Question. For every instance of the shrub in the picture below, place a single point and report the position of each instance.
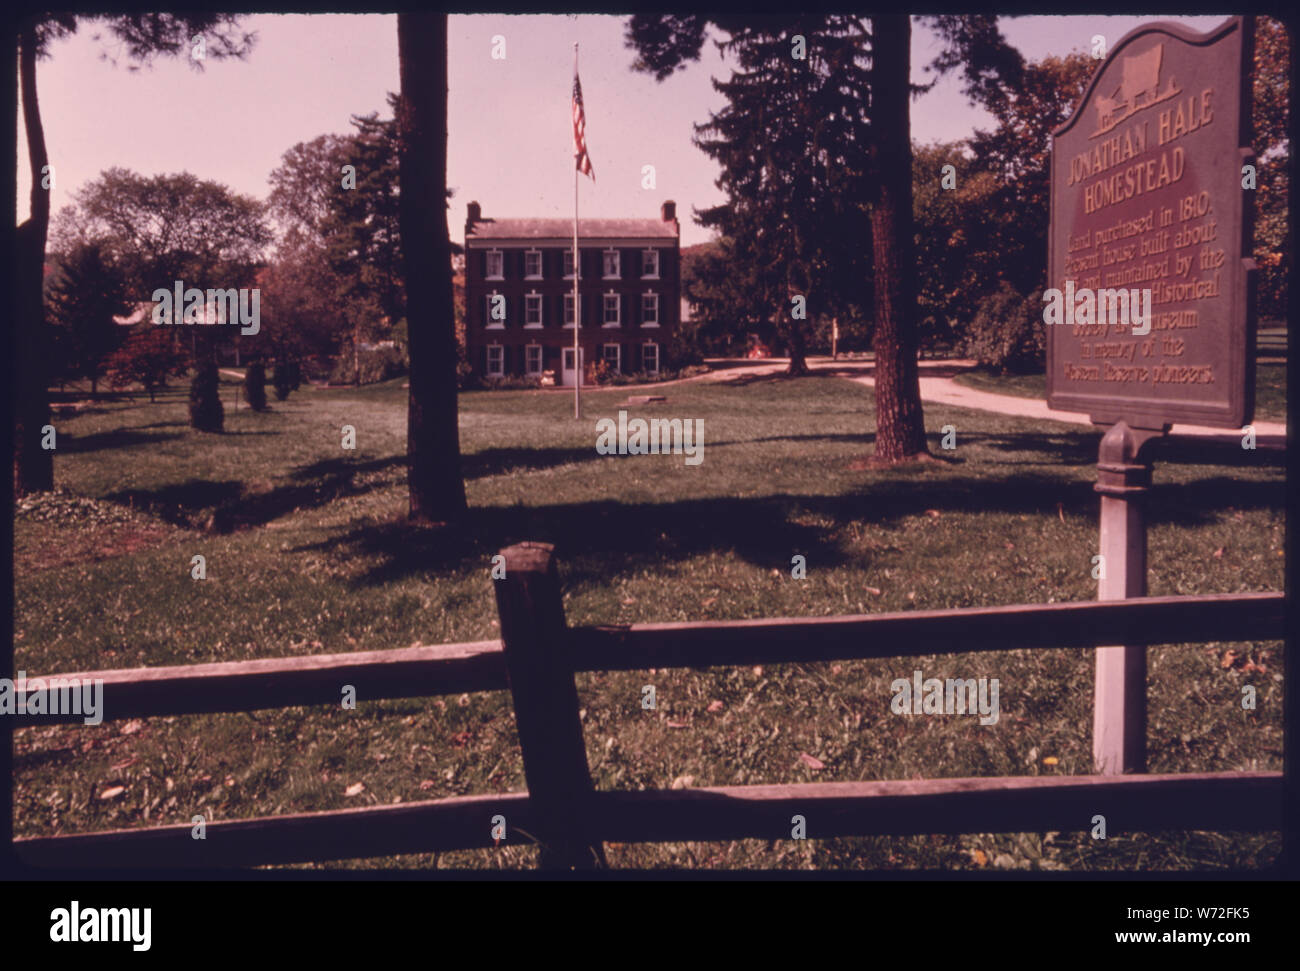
(206, 411)
(255, 386)
(511, 382)
(376, 364)
(147, 358)
(282, 379)
(1006, 333)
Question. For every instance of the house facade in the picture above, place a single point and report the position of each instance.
(519, 313)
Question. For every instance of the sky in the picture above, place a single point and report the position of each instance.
(509, 131)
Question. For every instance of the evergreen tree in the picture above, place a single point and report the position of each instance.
(84, 296)
(255, 385)
(792, 144)
(281, 379)
(207, 414)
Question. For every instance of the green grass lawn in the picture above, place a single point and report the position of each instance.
(1270, 387)
(307, 551)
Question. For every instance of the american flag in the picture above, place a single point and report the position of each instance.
(580, 130)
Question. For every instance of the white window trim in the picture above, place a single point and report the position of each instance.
(541, 359)
(541, 267)
(568, 297)
(658, 261)
(658, 304)
(487, 311)
(655, 345)
(618, 264)
(568, 250)
(618, 356)
(618, 306)
(488, 264)
(541, 311)
(501, 361)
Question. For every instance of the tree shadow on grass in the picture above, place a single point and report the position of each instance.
(229, 505)
(498, 461)
(117, 438)
(600, 538)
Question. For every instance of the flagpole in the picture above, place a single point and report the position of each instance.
(577, 268)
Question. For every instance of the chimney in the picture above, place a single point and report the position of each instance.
(474, 213)
(668, 211)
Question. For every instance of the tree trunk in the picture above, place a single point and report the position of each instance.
(432, 434)
(33, 465)
(798, 351)
(900, 425)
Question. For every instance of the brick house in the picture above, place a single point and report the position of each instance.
(519, 293)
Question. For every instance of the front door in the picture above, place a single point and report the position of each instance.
(567, 369)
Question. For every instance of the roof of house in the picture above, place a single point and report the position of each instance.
(563, 229)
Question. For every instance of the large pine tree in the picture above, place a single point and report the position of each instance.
(82, 300)
(791, 142)
(665, 43)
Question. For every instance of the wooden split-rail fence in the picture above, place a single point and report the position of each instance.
(536, 659)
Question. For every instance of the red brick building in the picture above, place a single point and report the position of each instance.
(519, 293)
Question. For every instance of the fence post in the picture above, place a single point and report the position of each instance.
(1119, 707)
(540, 669)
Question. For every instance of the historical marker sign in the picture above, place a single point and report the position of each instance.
(1147, 195)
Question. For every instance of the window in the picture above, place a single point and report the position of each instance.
(568, 263)
(650, 264)
(533, 310)
(533, 359)
(612, 302)
(610, 264)
(495, 265)
(650, 358)
(533, 264)
(568, 309)
(496, 360)
(613, 356)
(650, 309)
(494, 314)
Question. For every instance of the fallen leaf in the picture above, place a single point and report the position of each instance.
(933, 513)
(629, 601)
(1060, 511)
(426, 785)
(355, 789)
(1219, 553)
(980, 857)
(709, 602)
(683, 782)
(672, 724)
(133, 726)
(113, 792)
(811, 762)
(1051, 760)
(1228, 658)
(874, 591)
(758, 670)
(1010, 546)
(715, 706)
(836, 669)
(460, 739)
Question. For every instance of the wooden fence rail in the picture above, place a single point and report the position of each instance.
(537, 659)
